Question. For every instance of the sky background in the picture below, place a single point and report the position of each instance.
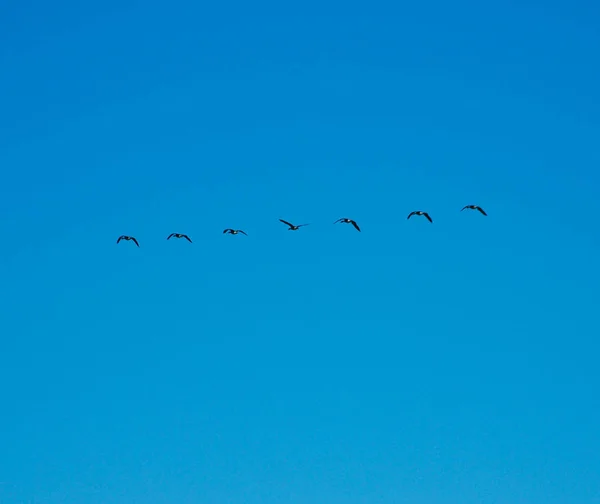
(453, 362)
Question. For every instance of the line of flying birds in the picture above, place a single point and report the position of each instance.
(292, 227)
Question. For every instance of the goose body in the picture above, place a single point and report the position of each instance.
(233, 231)
(475, 207)
(419, 212)
(348, 221)
(127, 238)
(179, 235)
(291, 226)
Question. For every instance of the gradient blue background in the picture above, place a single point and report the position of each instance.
(453, 362)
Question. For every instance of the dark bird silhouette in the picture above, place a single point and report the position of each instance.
(233, 231)
(425, 214)
(123, 237)
(179, 235)
(348, 221)
(474, 207)
(292, 227)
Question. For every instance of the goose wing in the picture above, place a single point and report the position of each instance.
(410, 215)
(481, 210)
(243, 232)
(227, 231)
(427, 215)
(172, 234)
(119, 239)
(355, 225)
(464, 208)
(135, 241)
(187, 238)
(286, 222)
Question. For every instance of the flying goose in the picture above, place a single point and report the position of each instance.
(234, 231)
(475, 207)
(420, 213)
(179, 235)
(123, 237)
(292, 227)
(348, 221)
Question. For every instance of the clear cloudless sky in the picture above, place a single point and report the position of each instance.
(418, 363)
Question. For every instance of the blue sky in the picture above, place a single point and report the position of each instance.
(453, 362)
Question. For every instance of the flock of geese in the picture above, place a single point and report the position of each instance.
(293, 227)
